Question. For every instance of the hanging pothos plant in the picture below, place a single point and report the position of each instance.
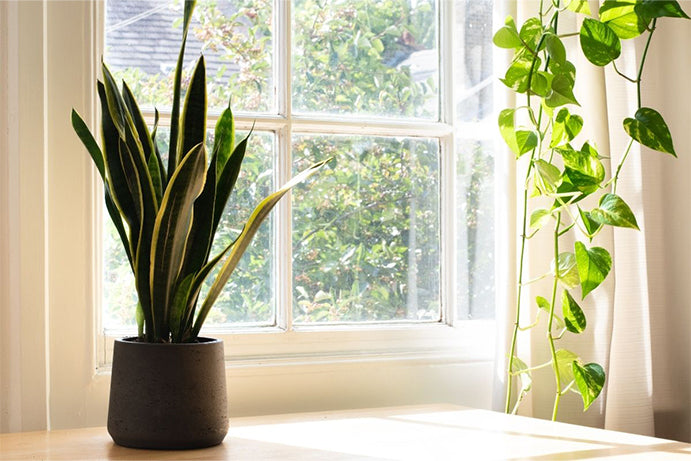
(561, 173)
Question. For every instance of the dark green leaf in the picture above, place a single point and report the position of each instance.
(660, 9)
(224, 139)
(226, 182)
(89, 142)
(590, 379)
(193, 119)
(650, 129)
(574, 318)
(520, 141)
(178, 307)
(593, 266)
(170, 230)
(614, 212)
(621, 16)
(177, 84)
(599, 43)
(139, 124)
(256, 218)
(507, 36)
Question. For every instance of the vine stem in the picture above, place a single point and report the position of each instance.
(552, 348)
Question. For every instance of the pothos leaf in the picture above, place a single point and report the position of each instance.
(579, 6)
(520, 141)
(568, 272)
(593, 266)
(574, 318)
(519, 367)
(614, 212)
(599, 43)
(649, 128)
(661, 8)
(539, 218)
(621, 16)
(590, 379)
(565, 359)
(507, 36)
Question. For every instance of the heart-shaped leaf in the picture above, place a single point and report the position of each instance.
(649, 128)
(599, 43)
(520, 141)
(562, 91)
(621, 16)
(565, 359)
(548, 176)
(530, 33)
(568, 272)
(590, 379)
(593, 266)
(574, 318)
(518, 74)
(579, 6)
(555, 48)
(519, 367)
(660, 9)
(507, 36)
(614, 212)
(565, 126)
(539, 218)
(591, 226)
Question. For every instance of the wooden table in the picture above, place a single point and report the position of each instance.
(404, 433)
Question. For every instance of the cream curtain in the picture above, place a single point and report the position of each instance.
(638, 320)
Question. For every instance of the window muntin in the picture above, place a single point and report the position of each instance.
(461, 133)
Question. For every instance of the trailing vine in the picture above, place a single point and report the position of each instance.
(543, 133)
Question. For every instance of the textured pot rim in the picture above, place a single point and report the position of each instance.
(202, 341)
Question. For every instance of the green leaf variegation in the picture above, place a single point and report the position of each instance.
(561, 178)
(167, 219)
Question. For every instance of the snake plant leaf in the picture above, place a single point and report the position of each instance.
(89, 142)
(226, 182)
(193, 119)
(170, 231)
(507, 35)
(599, 43)
(590, 379)
(201, 235)
(623, 18)
(115, 216)
(519, 141)
(178, 308)
(256, 218)
(161, 168)
(145, 140)
(593, 266)
(115, 103)
(614, 212)
(579, 6)
(177, 84)
(660, 9)
(649, 128)
(111, 153)
(224, 139)
(574, 318)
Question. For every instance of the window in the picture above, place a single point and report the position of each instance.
(397, 231)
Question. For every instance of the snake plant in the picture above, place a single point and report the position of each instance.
(167, 217)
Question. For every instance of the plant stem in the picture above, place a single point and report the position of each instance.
(552, 349)
(645, 55)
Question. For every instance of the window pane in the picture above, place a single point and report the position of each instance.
(248, 297)
(366, 231)
(475, 163)
(366, 58)
(143, 40)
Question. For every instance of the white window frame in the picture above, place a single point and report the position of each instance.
(274, 370)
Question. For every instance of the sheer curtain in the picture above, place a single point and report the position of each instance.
(638, 320)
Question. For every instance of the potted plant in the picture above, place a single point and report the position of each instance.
(560, 174)
(168, 383)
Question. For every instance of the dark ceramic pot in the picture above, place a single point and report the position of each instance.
(168, 396)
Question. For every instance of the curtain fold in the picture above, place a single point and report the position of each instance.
(631, 330)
